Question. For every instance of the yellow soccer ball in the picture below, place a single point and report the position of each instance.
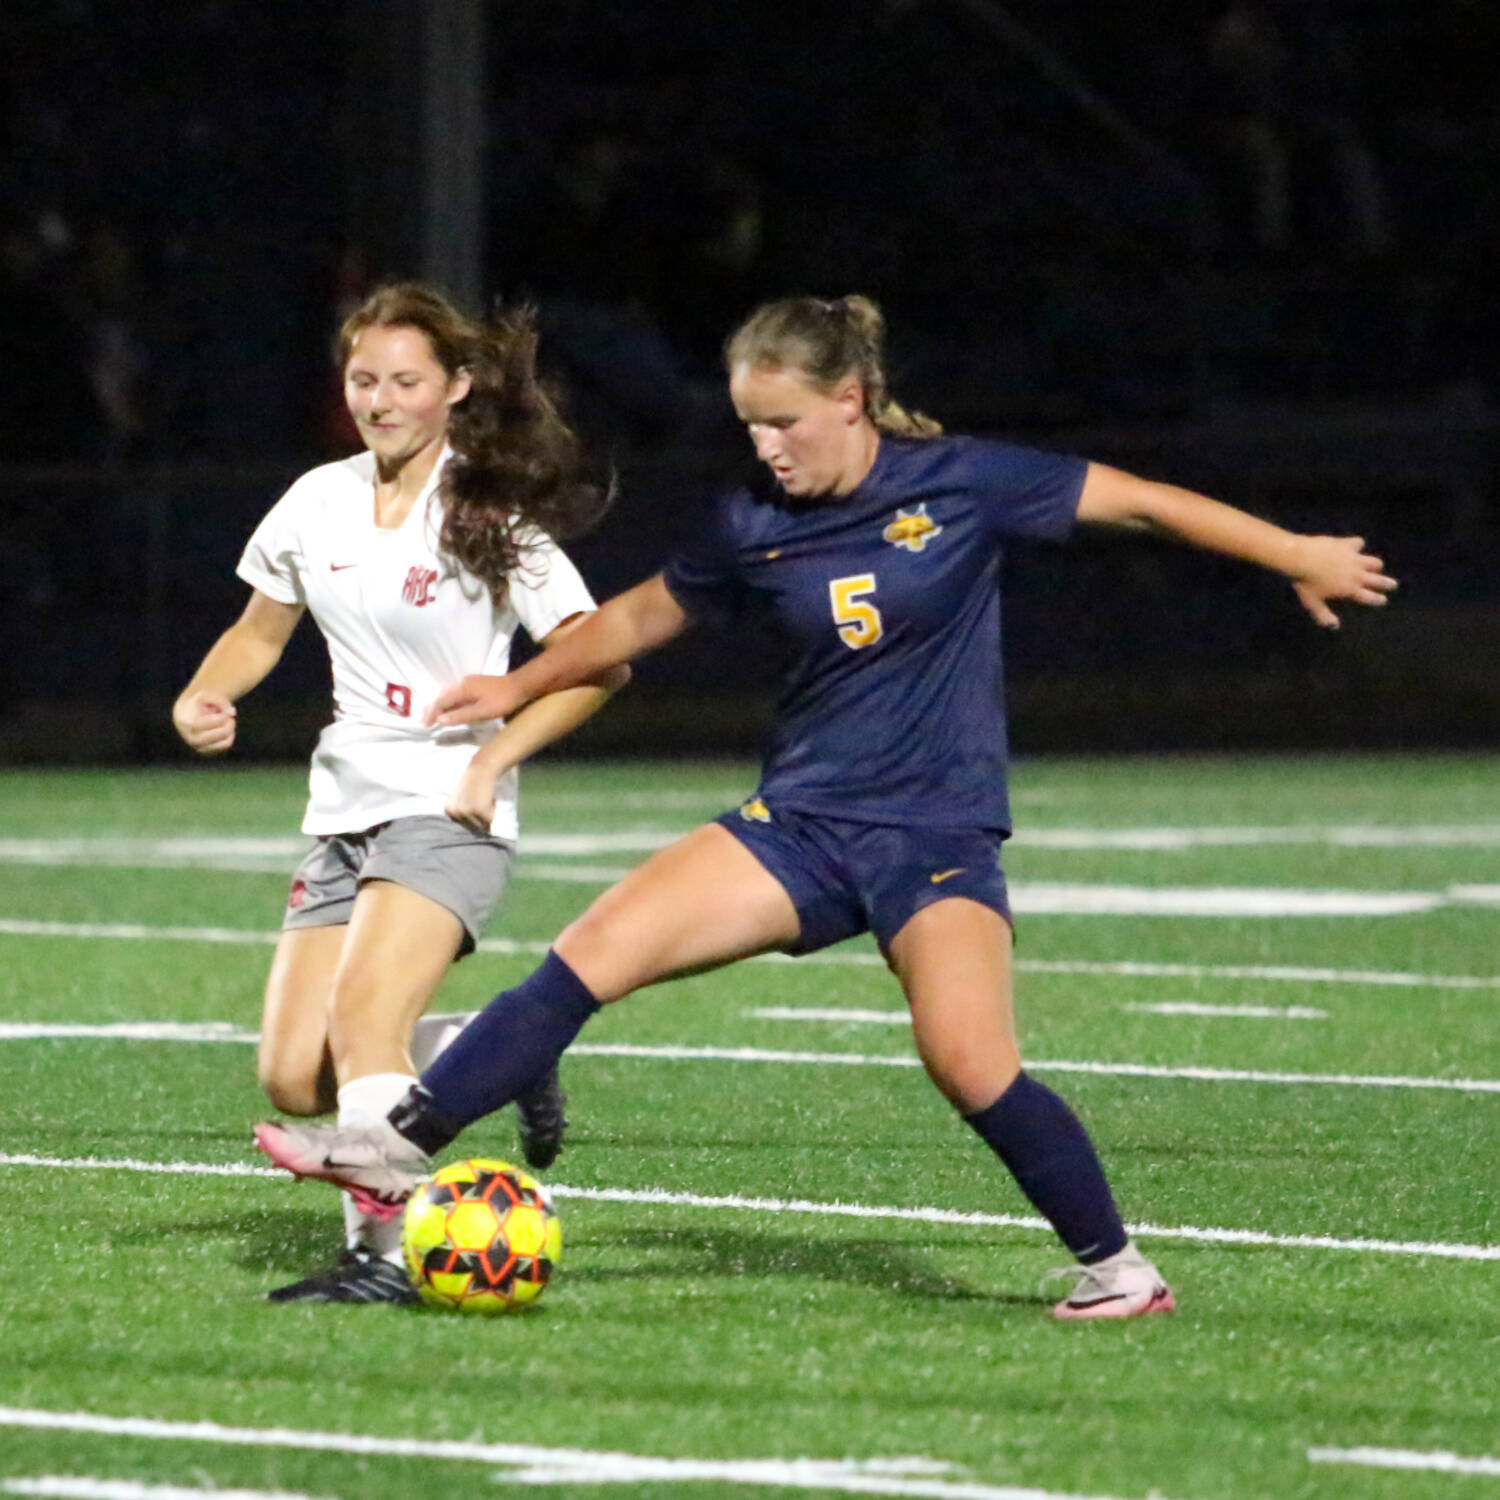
(480, 1237)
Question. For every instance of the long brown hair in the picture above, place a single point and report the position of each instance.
(517, 467)
(824, 341)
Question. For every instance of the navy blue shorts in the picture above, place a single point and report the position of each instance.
(847, 877)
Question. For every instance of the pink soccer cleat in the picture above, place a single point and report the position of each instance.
(375, 1164)
(1126, 1285)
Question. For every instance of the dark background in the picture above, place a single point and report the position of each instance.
(1248, 247)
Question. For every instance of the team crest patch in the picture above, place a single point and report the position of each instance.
(755, 811)
(912, 529)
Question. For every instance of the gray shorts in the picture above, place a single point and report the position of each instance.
(435, 857)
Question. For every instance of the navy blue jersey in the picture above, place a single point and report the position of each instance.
(893, 708)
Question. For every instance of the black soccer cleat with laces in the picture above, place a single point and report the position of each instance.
(358, 1277)
(542, 1121)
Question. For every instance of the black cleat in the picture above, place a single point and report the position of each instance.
(540, 1113)
(358, 1277)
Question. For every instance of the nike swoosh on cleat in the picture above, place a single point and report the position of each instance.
(943, 875)
(339, 567)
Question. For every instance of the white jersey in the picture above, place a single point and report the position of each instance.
(402, 622)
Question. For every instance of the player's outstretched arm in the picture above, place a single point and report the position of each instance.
(204, 713)
(1322, 569)
(542, 722)
(624, 628)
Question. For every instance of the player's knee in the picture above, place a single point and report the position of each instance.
(970, 1084)
(606, 966)
(293, 1092)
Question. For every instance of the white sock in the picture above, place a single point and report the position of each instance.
(366, 1101)
(432, 1034)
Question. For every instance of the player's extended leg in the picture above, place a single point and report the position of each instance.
(703, 902)
(953, 959)
(700, 903)
(293, 1063)
(394, 953)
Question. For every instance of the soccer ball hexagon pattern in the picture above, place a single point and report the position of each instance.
(480, 1236)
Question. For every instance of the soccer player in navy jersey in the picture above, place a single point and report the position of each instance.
(873, 543)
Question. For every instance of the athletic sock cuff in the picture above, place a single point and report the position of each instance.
(419, 1119)
(575, 999)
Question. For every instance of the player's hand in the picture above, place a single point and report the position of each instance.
(1338, 567)
(473, 799)
(474, 698)
(205, 721)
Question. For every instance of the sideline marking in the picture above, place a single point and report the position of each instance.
(530, 1464)
(828, 1013)
(216, 1031)
(1256, 1012)
(1123, 1070)
(1346, 836)
(1036, 898)
(128, 1031)
(211, 850)
(1114, 968)
(662, 1197)
(1404, 1458)
(66, 1488)
(855, 1017)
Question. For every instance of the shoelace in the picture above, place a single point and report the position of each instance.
(1097, 1280)
(1077, 1274)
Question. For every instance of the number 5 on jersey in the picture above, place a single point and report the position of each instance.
(857, 619)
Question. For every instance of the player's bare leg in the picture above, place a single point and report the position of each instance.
(293, 1061)
(399, 946)
(953, 959)
(396, 949)
(702, 902)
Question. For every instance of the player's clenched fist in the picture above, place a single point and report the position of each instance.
(205, 721)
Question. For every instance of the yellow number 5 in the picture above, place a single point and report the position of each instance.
(857, 619)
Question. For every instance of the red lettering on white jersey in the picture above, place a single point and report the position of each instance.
(417, 589)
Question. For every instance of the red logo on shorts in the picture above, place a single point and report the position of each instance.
(418, 586)
(298, 895)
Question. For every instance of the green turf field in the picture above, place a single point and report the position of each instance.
(790, 1268)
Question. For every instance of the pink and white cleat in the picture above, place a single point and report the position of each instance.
(1126, 1285)
(375, 1164)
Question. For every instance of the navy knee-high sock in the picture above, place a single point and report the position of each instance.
(1050, 1155)
(502, 1052)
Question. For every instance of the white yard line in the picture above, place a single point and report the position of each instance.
(1030, 898)
(525, 1463)
(855, 1017)
(217, 1031)
(127, 1031)
(1253, 1012)
(1404, 1458)
(674, 1053)
(1257, 973)
(1115, 968)
(662, 1197)
(68, 1487)
(827, 1013)
(212, 849)
(1346, 835)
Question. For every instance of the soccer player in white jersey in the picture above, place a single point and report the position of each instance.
(418, 559)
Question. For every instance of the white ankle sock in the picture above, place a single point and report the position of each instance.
(365, 1101)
